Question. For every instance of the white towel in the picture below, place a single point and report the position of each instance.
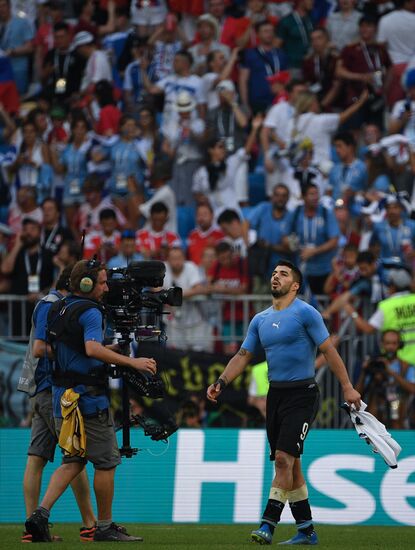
(375, 434)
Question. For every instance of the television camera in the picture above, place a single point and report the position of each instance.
(134, 308)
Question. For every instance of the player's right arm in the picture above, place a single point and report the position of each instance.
(233, 369)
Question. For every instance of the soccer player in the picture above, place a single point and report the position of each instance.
(290, 331)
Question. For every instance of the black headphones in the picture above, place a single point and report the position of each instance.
(87, 283)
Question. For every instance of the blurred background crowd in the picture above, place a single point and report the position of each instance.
(218, 137)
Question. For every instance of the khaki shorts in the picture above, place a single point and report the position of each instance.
(101, 442)
(43, 439)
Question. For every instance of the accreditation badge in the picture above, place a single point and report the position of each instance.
(230, 144)
(33, 284)
(74, 187)
(121, 182)
(60, 86)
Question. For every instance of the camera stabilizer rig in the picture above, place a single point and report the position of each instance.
(134, 307)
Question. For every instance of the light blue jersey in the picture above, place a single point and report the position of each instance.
(290, 339)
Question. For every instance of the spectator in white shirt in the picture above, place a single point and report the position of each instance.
(308, 122)
(208, 29)
(147, 14)
(160, 175)
(275, 136)
(187, 327)
(216, 182)
(397, 30)
(181, 80)
(97, 67)
(343, 25)
(219, 69)
(403, 113)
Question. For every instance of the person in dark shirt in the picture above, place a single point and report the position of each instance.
(319, 68)
(62, 68)
(31, 272)
(365, 63)
(53, 234)
(259, 63)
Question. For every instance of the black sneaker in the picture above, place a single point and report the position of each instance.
(115, 533)
(38, 526)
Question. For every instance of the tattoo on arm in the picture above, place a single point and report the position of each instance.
(242, 352)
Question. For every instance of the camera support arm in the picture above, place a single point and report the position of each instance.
(117, 372)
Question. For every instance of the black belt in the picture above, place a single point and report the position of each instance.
(293, 384)
(69, 380)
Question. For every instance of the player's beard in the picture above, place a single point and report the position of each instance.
(280, 292)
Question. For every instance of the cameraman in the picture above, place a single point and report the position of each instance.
(77, 323)
(36, 381)
(385, 382)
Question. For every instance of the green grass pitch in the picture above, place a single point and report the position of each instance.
(227, 537)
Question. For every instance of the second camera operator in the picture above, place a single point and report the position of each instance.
(76, 329)
(386, 382)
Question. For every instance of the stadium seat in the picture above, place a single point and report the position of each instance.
(185, 221)
(256, 183)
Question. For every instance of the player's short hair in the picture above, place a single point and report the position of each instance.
(297, 275)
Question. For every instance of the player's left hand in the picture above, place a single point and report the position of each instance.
(213, 392)
(352, 397)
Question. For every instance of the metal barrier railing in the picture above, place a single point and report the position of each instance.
(232, 313)
(15, 312)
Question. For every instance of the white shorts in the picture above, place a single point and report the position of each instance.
(147, 16)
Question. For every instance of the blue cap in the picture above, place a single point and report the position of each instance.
(128, 234)
(410, 78)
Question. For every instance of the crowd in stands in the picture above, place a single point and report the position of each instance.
(216, 136)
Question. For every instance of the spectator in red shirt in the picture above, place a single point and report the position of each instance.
(85, 11)
(109, 115)
(361, 64)
(154, 240)
(319, 68)
(278, 83)
(205, 234)
(217, 9)
(105, 241)
(245, 34)
(229, 275)
(94, 203)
